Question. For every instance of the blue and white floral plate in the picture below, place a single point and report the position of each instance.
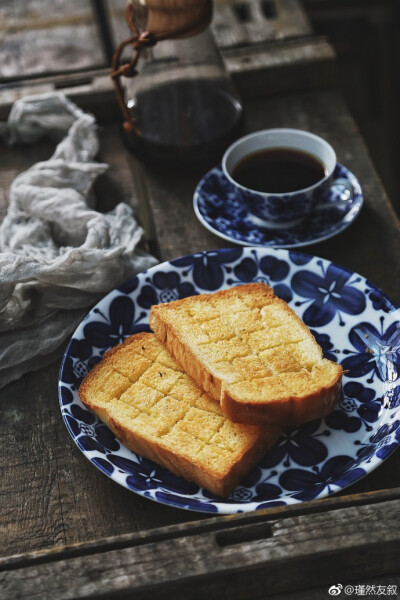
(354, 322)
(218, 209)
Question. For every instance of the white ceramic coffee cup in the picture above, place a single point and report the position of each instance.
(283, 209)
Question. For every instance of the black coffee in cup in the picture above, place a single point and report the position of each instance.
(278, 170)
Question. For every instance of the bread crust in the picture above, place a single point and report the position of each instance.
(290, 410)
(288, 406)
(219, 479)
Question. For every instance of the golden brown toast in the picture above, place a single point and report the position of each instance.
(248, 350)
(157, 411)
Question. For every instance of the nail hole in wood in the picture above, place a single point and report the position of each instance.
(268, 8)
(242, 11)
(249, 533)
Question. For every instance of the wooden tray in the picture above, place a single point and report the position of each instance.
(69, 532)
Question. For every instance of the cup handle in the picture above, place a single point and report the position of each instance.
(347, 195)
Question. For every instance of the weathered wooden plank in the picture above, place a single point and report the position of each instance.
(226, 26)
(47, 488)
(238, 22)
(92, 90)
(197, 527)
(293, 19)
(50, 495)
(47, 36)
(298, 64)
(29, 481)
(241, 561)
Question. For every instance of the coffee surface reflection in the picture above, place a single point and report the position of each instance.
(278, 170)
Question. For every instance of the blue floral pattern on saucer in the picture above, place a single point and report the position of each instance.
(353, 321)
(219, 210)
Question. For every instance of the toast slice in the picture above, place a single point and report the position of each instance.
(248, 350)
(157, 411)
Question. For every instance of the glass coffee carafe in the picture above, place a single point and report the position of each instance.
(179, 102)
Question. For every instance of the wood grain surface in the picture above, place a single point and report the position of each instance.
(250, 556)
(52, 496)
(49, 494)
(77, 534)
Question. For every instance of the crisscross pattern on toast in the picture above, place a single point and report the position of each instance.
(249, 350)
(156, 410)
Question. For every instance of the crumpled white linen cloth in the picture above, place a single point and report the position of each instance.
(58, 255)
